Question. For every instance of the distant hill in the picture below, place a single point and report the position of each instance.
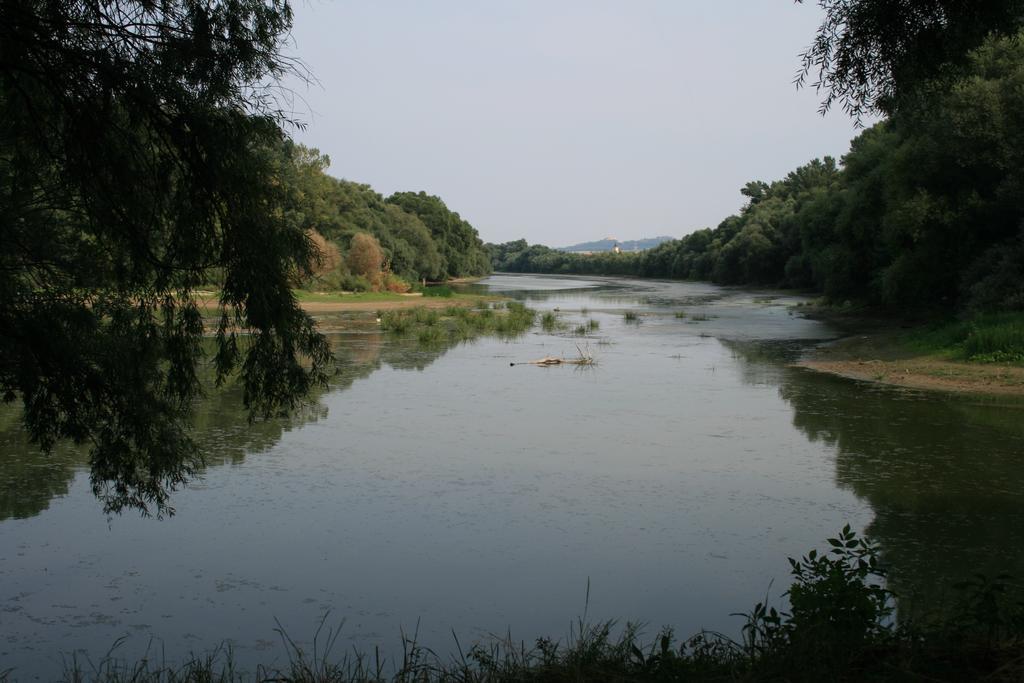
(608, 242)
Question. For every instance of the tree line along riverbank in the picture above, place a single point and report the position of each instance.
(923, 219)
(924, 211)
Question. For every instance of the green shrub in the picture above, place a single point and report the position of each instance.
(985, 338)
(839, 610)
(398, 322)
(996, 338)
(355, 283)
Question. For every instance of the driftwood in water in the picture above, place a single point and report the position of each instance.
(582, 359)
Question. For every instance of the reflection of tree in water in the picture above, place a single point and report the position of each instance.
(29, 480)
(944, 476)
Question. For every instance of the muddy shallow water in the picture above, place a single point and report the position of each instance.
(442, 489)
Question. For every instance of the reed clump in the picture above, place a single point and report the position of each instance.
(458, 323)
(549, 322)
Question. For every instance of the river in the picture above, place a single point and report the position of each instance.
(441, 491)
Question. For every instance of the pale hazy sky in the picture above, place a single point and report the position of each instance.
(566, 120)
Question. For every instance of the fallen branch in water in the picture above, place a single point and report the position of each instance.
(584, 358)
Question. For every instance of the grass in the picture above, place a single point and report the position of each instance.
(680, 314)
(458, 323)
(430, 336)
(838, 626)
(593, 325)
(985, 338)
(631, 317)
(549, 322)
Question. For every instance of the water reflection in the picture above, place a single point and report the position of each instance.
(944, 475)
(30, 480)
(676, 476)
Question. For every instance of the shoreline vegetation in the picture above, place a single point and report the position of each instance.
(839, 624)
(922, 216)
(983, 355)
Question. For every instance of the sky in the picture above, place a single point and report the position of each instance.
(563, 121)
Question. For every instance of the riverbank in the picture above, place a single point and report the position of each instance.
(918, 355)
(358, 302)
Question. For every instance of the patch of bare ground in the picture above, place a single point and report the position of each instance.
(407, 301)
(878, 357)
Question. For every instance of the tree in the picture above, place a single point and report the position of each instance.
(328, 256)
(365, 257)
(869, 53)
(141, 156)
(460, 246)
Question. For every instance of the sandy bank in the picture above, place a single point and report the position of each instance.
(877, 357)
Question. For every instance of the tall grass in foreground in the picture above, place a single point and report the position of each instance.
(986, 338)
(996, 338)
(839, 627)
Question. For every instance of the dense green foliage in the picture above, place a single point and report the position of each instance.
(137, 156)
(927, 209)
(421, 238)
(141, 157)
(987, 338)
(872, 55)
(340, 209)
(461, 249)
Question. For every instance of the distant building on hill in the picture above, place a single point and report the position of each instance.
(614, 245)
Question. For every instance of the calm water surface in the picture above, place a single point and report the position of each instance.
(442, 489)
